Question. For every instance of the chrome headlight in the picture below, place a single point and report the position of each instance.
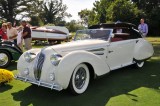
(55, 59)
(29, 56)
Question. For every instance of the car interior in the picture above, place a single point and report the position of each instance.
(120, 34)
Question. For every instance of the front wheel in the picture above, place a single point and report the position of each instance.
(80, 79)
(5, 59)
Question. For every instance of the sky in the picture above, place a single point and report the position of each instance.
(75, 6)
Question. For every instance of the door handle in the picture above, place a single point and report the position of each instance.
(110, 51)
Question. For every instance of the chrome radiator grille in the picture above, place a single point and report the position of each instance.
(38, 65)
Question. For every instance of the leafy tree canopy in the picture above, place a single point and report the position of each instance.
(10, 8)
(39, 11)
(123, 10)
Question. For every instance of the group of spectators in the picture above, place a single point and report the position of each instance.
(17, 34)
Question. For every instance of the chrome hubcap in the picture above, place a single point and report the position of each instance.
(80, 78)
(3, 59)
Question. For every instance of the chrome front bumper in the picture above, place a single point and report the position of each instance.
(40, 83)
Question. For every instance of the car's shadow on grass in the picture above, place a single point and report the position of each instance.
(118, 82)
(5, 87)
(12, 66)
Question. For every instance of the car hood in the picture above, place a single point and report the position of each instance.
(79, 45)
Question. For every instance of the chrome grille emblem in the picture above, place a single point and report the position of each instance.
(38, 65)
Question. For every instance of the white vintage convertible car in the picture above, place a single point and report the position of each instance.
(94, 52)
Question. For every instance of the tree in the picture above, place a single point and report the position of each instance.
(97, 14)
(123, 10)
(10, 8)
(84, 15)
(151, 8)
(154, 22)
(147, 5)
(52, 10)
(35, 14)
(114, 10)
(92, 18)
(36, 21)
(40, 11)
(100, 8)
(73, 26)
(48, 11)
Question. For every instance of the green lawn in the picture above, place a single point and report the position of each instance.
(123, 87)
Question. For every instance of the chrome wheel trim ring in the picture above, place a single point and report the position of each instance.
(3, 59)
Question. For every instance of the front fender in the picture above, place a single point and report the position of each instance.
(71, 60)
(12, 51)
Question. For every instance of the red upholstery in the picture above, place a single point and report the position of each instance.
(116, 39)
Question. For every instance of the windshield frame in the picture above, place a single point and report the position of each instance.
(86, 31)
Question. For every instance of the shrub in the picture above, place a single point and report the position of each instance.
(5, 76)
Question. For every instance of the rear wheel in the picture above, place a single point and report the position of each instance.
(80, 79)
(5, 59)
(139, 64)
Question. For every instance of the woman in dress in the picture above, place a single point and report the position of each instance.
(3, 32)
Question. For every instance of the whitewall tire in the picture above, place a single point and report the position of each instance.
(139, 64)
(80, 79)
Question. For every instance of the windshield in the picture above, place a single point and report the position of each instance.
(93, 34)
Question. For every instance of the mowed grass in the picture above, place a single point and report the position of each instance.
(122, 87)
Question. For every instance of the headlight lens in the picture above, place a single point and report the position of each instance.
(55, 59)
(29, 56)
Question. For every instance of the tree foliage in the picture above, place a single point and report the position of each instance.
(123, 10)
(100, 9)
(126, 11)
(84, 15)
(39, 11)
(147, 5)
(53, 10)
(49, 11)
(73, 26)
(114, 10)
(151, 8)
(10, 8)
(98, 13)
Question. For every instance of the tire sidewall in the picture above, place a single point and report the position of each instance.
(83, 89)
(140, 64)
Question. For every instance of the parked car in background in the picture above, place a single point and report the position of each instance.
(9, 52)
(93, 52)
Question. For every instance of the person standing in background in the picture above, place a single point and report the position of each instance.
(14, 24)
(26, 34)
(3, 32)
(19, 37)
(11, 33)
(143, 27)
